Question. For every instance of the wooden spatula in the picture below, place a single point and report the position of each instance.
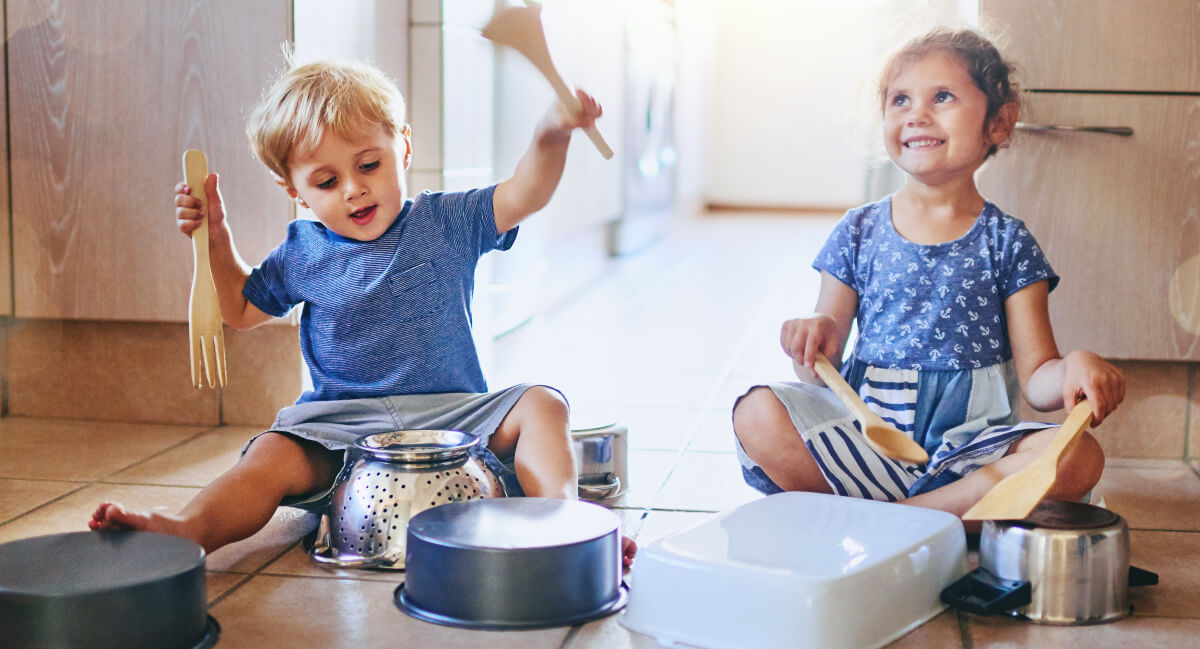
(883, 438)
(521, 29)
(1014, 497)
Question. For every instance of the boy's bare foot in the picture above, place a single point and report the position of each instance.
(628, 549)
(114, 516)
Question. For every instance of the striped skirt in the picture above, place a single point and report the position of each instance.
(963, 419)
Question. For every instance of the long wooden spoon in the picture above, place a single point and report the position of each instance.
(521, 29)
(882, 437)
(1014, 497)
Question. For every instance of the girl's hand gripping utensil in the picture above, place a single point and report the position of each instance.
(521, 29)
(882, 437)
(1014, 497)
(204, 310)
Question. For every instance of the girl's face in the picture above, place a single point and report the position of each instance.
(933, 120)
(354, 186)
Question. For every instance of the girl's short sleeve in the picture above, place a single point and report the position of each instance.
(1025, 263)
(839, 255)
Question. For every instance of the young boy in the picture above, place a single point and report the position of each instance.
(386, 282)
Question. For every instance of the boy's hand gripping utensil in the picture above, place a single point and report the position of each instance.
(204, 310)
(885, 439)
(1014, 497)
(521, 29)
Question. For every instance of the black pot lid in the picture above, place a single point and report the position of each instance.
(77, 563)
(1066, 515)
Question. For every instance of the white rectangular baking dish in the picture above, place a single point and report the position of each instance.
(797, 570)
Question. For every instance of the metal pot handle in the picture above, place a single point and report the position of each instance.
(1139, 577)
(982, 593)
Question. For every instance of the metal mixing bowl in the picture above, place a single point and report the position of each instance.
(397, 476)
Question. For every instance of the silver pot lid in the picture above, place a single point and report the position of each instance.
(417, 446)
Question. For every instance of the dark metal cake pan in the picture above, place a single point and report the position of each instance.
(513, 563)
(104, 590)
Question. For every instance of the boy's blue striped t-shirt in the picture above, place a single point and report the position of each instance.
(389, 316)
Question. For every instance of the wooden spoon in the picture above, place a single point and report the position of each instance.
(521, 29)
(882, 437)
(1014, 497)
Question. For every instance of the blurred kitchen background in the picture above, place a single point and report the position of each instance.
(715, 108)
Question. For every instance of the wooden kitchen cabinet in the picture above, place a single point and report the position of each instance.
(103, 100)
(1107, 45)
(1118, 216)
(5, 217)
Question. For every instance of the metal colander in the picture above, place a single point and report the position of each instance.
(399, 475)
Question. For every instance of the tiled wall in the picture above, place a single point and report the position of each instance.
(1158, 418)
(139, 372)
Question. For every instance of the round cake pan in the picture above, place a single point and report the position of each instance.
(513, 563)
(104, 590)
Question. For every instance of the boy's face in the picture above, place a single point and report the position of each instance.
(354, 186)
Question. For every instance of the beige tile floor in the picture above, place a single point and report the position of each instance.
(664, 342)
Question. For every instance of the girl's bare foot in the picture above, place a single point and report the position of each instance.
(114, 516)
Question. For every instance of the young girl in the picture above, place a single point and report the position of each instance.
(950, 297)
(386, 284)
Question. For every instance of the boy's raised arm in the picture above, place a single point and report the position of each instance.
(540, 169)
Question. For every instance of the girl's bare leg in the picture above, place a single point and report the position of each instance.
(766, 432)
(536, 433)
(242, 500)
(1079, 470)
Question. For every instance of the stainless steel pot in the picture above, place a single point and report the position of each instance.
(601, 459)
(1067, 563)
(398, 475)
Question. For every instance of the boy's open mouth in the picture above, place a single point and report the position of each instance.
(923, 143)
(363, 216)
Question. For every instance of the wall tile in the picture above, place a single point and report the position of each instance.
(1152, 420)
(109, 371)
(425, 100)
(467, 78)
(266, 373)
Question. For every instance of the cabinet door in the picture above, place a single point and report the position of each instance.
(1117, 217)
(103, 100)
(1101, 44)
(5, 247)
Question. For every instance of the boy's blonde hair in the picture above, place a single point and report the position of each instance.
(339, 97)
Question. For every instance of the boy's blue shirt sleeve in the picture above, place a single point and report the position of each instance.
(266, 288)
(469, 221)
(1023, 260)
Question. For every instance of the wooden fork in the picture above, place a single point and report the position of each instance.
(204, 310)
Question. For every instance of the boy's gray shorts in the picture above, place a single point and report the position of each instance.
(336, 424)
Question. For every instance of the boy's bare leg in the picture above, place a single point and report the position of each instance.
(1079, 470)
(536, 433)
(242, 500)
(767, 434)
